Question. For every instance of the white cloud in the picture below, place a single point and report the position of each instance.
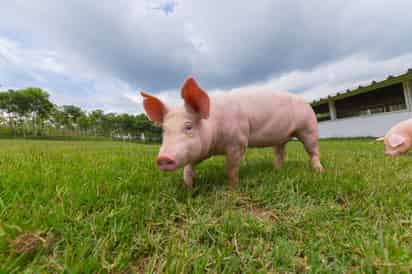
(338, 76)
(33, 62)
(15, 55)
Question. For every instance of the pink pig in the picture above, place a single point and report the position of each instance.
(227, 124)
(398, 140)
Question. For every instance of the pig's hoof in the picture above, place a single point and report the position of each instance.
(319, 169)
(188, 184)
(277, 165)
(233, 184)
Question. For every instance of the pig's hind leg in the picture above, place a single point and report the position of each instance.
(280, 153)
(310, 142)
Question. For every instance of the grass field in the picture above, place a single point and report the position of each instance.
(87, 207)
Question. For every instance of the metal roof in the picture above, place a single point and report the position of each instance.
(390, 80)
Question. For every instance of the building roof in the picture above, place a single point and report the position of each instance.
(390, 80)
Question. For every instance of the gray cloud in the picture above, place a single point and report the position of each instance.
(225, 44)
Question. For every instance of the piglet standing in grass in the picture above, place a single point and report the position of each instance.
(227, 124)
(398, 140)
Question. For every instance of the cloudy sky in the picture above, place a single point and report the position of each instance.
(99, 54)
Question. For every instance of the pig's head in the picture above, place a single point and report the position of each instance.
(181, 125)
(396, 144)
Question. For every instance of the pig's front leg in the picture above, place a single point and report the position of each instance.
(280, 155)
(188, 175)
(233, 157)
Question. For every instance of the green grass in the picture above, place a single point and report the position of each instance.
(104, 207)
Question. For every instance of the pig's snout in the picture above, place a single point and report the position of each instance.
(166, 163)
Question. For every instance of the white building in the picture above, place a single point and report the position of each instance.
(367, 111)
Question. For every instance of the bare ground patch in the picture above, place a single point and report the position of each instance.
(30, 242)
(260, 213)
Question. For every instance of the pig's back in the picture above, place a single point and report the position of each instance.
(272, 117)
(404, 128)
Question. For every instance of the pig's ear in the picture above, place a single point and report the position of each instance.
(196, 97)
(154, 108)
(396, 140)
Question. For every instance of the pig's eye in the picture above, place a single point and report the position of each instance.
(188, 127)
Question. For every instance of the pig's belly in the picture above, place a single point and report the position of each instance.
(266, 138)
(267, 131)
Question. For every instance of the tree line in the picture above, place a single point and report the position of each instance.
(29, 112)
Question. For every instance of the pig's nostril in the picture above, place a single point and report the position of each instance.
(165, 161)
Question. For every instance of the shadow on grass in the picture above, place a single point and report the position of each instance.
(212, 177)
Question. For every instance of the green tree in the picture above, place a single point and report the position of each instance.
(16, 106)
(96, 118)
(72, 115)
(31, 108)
(36, 102)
